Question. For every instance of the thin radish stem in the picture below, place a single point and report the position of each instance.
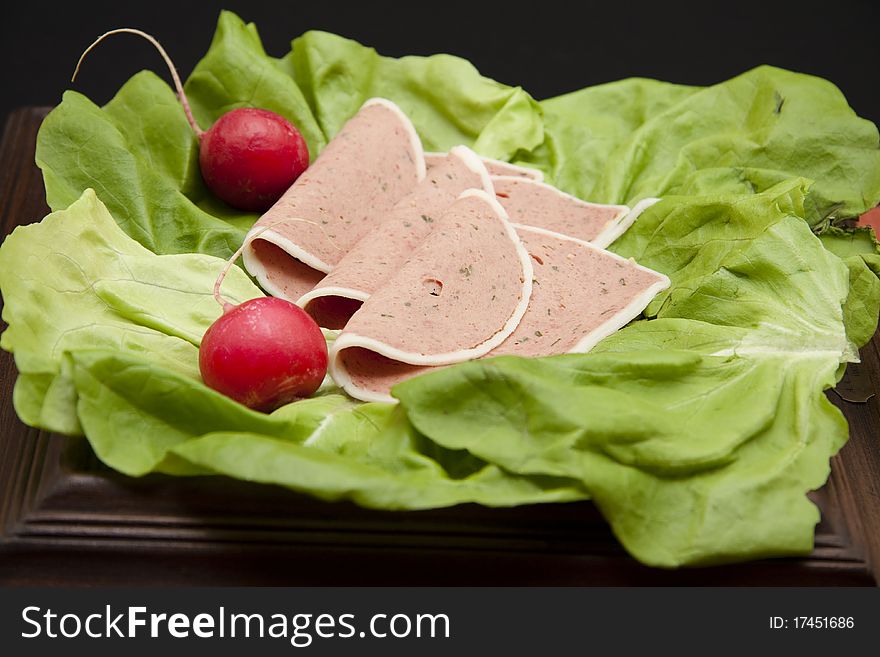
(222, 276)
(235, 256)
(177, 84)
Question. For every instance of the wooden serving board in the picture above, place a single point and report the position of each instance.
(67, 519)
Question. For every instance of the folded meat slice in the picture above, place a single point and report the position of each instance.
(382, 251)
(373, 162)
(462, 292)
(581, 295)
(537, 204)
(495, 167)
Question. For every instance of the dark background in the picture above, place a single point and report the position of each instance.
(548, 47)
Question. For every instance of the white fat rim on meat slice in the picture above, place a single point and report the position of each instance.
(472, 161)
(347, 340)
(330, 291)
(341, 378)
(253, 264)
(415, 141)
(475, 163)
(623, 211)
(286, 245)
(578, 201)
(258, 271)
(529, 173)
(619, 226)
(623, 316)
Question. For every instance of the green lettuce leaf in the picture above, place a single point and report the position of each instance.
(729, 257)
(237, 72)
(692, 459)
(860, 310)
(134, 411)
(76, 281)
(633, 139)
(373, 456)
(141, 417)
(141, 157)
(446, 98)
(849, 242)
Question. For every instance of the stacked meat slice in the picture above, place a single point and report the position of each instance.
(426, 260)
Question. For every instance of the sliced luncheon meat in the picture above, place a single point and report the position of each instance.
(581, 294)
(283, 275)
(382, 251)
(369, 376)
(373, 162)
(495, 167)
(533, 203)
(461, 293)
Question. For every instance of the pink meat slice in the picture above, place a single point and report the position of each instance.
(536, 204)
(381, 252)
(373, 162)
(369, 376)
(285, 276)
(471, 273)
(581, 295)
(495, 167)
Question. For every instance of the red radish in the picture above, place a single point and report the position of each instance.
(263, 353)
(249, 157)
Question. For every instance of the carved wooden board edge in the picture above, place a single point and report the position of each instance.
(55, 510)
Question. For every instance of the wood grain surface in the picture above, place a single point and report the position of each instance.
(65, 518)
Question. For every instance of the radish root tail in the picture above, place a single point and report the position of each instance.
(177, 83)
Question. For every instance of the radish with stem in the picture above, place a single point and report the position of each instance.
(265, 352)
(249, 157)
